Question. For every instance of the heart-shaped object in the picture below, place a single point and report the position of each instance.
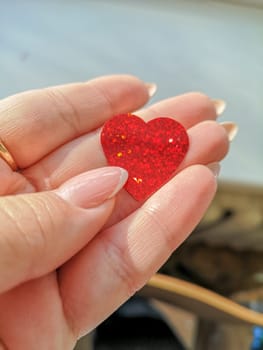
(150, 152)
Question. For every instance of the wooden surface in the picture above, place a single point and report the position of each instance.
(209, 46)
(200, 301)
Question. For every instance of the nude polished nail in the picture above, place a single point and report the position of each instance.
(231, 129)
(215, 168)
(220, 106)
(92, 188)
(152, 88)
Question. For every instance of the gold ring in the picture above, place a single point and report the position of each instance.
(6, 155)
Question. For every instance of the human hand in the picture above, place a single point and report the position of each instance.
(69, 256)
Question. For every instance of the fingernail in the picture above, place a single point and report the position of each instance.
(215, 168)
(92, 188)
(231, 129)
(220, 106)
(152, 88)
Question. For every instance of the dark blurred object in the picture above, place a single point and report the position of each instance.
(136, 325)
(225, 252)
(234, 219)
(257, 343)
(221, 269)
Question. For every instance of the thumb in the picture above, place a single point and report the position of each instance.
(41, 231)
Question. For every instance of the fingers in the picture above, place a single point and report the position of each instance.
(35, 123)
(188, 109)
(121, 259)
(208, 143)
(86, 153)
(32, 313)
(41, 231)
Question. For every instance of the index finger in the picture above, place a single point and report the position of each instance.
(34, 123)
(120, 260)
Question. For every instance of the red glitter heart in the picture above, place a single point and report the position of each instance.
(150, 152)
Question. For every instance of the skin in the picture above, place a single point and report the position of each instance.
(66, 263)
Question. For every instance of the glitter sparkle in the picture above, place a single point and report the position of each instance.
(151, 152)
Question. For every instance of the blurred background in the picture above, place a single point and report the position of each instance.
(209, 46)
(215, 47)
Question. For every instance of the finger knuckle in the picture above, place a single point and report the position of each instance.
(28, 223)
(117, 260)
(103, 96)
(35, 240)
(65, 108)
(158, 224)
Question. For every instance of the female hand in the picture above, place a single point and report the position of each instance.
(70, 250)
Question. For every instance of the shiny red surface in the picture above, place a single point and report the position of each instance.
(150, 152)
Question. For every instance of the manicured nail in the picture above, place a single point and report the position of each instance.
(152, 88)
(92, 188)
(215, 168)
(231, 129)
(220, 106)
